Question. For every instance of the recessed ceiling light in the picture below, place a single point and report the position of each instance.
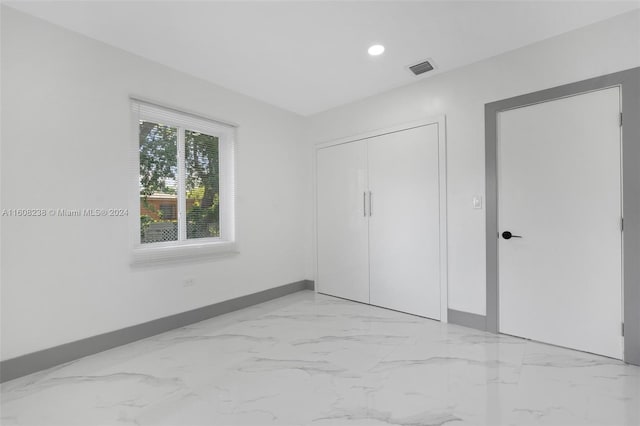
(376, 49)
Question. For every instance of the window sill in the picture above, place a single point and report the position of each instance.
(160, 254)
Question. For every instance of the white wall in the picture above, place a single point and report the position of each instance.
(66, 135)
(602, 48)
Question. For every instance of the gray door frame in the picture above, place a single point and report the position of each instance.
(629, 83)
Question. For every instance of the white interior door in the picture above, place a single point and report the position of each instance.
(404, 224)
(343, 260)
(560, 189)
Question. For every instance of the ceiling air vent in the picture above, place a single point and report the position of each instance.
(421, 68)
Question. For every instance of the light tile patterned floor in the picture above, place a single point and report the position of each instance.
(308, 359)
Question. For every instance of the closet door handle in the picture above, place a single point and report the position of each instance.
(370, 210)
(364, 204)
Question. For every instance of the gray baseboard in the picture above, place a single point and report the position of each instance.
(47, 358)
(467, 319)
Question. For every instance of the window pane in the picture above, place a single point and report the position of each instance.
(202, 185)
(158, 185)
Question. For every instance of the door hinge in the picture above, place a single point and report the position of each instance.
(621, 224)
(622, 329)
(620, 119)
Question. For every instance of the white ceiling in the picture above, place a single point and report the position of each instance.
(309, 56)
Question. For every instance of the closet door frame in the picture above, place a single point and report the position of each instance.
(439, 121)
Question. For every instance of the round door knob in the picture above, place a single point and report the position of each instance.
(508, 235)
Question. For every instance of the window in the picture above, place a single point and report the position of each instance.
(168, 211)
(184, 179)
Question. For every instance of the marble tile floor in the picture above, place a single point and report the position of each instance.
(309, 359)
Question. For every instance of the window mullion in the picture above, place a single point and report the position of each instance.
(182, 195)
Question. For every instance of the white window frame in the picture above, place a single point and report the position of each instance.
(185, 248)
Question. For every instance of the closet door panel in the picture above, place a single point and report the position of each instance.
(343, 262)
(404, 222)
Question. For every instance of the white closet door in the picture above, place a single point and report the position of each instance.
(404, 223)
(343, 263)
(559, 189)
